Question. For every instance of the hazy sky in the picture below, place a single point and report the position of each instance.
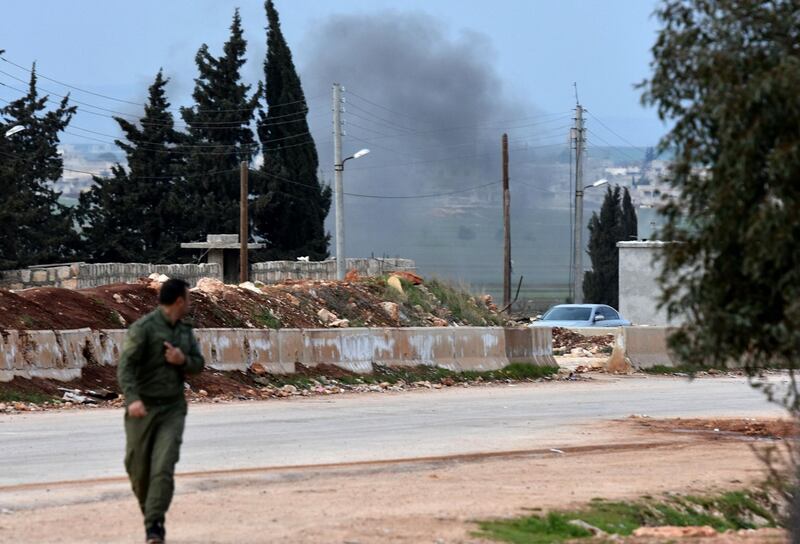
(539, 47)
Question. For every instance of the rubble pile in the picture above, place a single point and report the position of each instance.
(399, 300)
(567, 342)
(98, 386)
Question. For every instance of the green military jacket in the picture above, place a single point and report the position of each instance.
(143, 372)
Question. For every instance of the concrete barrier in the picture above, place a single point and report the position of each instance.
(351, 349)
(62, 354)
(478, 348)
(542, 346)
(646, 347)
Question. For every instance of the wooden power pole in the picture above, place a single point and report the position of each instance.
(506, 228)
(244, 231)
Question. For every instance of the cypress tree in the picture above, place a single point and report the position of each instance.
(600, 285)
(34, 227)
(219, 138)
(630, 226)
(133, 215)
(290, 205)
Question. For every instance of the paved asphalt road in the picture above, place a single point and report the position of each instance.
(56, 446)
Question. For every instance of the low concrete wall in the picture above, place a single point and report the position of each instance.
(277, 271)
(62, 354)
(646, 347)
(83, 275)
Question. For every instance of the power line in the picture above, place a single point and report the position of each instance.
(388, 197)
(613, 132)
(107, 97)
(209, 125)
(618, 148)
(98, 174)
(445, 159)
(494, 126)
(368, 101)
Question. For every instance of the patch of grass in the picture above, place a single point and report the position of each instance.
(24, 396)
(732, 510)
(533, 529)
(267, 319)
(462, 304)
(27, 320)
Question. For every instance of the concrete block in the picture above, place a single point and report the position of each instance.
(68, 284)
(350, 349)
(223, 349)
(39, 350)
(25, 276)
(290, 347)
(10, 354)
(39, 276)
(542, 342)
(647, 346)
(107, 346)
(263, 347)
(424, 346)
(75, 345)
(479, 348)
(519, 345)
(385, 344)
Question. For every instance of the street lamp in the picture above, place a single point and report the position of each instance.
(13, 130)
(341, 264)
(577, 271)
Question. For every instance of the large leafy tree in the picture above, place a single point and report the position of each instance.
(34, 227)
(290, 205)
(616, 222)
(133, 216)
(219, 138)
(726, 74)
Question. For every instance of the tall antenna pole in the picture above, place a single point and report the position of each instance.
(338, 172)
(506, 228)
(577, 277)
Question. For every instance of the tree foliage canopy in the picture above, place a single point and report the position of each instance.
(34, 226)
(133, 215)
(290, 206)
(616, 222)
(219, 138)
(727, 74)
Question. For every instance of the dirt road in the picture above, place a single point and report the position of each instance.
(454, 456)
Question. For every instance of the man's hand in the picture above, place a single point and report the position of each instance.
(137, 409)
(174, 355)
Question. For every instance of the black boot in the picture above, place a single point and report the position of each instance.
(156, 533)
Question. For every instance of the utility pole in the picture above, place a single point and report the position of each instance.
(244, 231)
(506, 228)
(338, 168)
(577, 287)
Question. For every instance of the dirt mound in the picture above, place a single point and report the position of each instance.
(17, 312)
(293, 304)
(743, 428)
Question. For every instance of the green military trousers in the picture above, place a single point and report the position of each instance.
(153, 445)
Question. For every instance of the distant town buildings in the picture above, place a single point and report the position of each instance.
(79, 160)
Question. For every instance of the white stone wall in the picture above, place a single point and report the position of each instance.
(83, 275)
(639, 291)
(276, 271)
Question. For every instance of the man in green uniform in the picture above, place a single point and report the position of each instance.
(159, 351)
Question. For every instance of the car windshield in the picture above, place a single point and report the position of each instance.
(568, 314)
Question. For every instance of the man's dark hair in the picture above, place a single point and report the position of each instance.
(172, 290)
